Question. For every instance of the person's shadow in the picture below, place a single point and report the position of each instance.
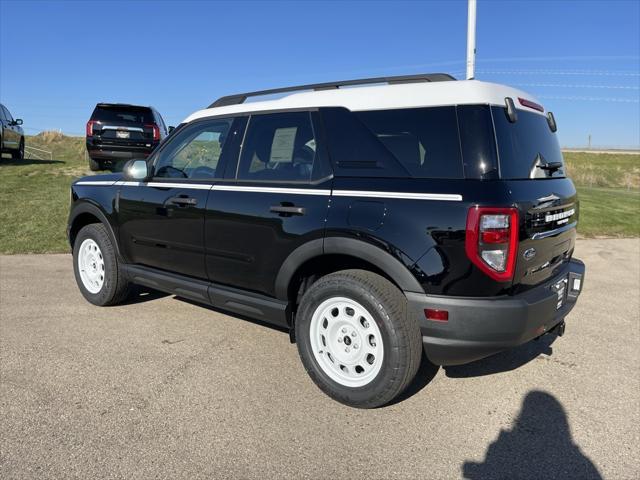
(538, 446)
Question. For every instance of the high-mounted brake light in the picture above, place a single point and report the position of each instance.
(491, 240)
(90, 124)
(528, 103)
(156, 131)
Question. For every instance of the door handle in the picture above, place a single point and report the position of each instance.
(182, 201)
(287, 210)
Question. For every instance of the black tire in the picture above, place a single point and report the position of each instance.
(116, 286)
(94, 165)
(19, 154)
(402, 341)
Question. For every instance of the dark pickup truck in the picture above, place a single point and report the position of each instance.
(378, 224)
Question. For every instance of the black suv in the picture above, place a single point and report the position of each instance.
(118, 132)
(11, 134)
(374, 223)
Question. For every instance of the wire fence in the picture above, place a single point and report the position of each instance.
(37, 153)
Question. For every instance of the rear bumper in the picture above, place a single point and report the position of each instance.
(107, 152)
(479, 327)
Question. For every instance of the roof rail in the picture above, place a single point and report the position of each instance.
(422, 77)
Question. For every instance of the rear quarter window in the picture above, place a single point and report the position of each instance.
(424, 140)
(416, 142)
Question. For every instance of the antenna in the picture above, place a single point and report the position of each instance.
(471, 40)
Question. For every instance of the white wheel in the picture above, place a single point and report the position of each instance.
(91, 266)
(346, 342)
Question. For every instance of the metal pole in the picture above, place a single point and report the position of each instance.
(471, 40)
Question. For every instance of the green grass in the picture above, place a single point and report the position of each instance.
(609, 212)
(34, 195)
(609, 170)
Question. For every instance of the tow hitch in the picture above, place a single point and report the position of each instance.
(558, 329)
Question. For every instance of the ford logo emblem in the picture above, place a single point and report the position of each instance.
(529, 253)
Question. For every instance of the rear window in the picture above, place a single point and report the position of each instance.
(119, 114)
(526, 145)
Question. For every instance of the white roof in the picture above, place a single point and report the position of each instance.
(383, 97)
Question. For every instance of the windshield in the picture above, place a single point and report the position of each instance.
(527, 148)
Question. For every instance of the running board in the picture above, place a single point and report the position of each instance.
(251, 304)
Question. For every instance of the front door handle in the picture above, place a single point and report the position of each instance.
(182, 201)
(287, 210)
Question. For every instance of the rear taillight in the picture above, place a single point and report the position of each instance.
(156, 131)
(90, 124)
(491, 240)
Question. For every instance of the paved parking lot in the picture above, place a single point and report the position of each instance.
(163, 388)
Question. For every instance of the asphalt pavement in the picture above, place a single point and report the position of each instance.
(164, 388)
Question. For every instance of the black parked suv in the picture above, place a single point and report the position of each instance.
(375, 223)
(118, 132)
(11, 134)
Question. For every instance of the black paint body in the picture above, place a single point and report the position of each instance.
(232, 243)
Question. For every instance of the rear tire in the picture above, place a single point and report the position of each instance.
(19, 154)
(98, 273)
(94, 165)
(356, 339)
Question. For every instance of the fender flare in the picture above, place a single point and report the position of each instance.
(386, 262)
(97, 212)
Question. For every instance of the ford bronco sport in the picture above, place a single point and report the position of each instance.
(411, 214)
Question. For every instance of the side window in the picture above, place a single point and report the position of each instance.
(7, 115)
(354, 149)
(278, 147)
(195, 151)
(1, 112)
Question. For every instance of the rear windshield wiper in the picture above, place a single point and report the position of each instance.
(551, 166)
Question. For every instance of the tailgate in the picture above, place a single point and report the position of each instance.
(124, 135)
(548, 212)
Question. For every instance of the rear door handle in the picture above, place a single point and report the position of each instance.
(287, 211)
(182, 201)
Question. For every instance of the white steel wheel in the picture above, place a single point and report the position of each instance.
(346, 342)
(91, 266)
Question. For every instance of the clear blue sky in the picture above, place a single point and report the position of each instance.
(57, 59)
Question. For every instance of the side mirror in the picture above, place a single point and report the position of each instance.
(171, 128)
(136, 170)
(17, 121)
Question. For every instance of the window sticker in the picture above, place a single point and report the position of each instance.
(282, 145)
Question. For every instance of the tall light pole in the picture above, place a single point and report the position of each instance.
(471, 40)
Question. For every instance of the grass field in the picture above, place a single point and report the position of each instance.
(609, 190)
(34, 194)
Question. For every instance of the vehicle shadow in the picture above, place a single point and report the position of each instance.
(143, 294)
(539, 445)
(27, 161)
(504, 361)
(233, 314)
(426, 373)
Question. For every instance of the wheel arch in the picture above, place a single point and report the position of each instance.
(84, 214)
(338, 253)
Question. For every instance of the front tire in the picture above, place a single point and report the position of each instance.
(356, 339)
(96, 267)
(19, 154)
